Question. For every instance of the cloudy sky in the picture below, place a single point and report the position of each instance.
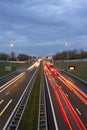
(41, 27)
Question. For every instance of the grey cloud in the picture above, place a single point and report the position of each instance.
(43, 23)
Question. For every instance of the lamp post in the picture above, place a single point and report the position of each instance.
(61, 59)
(11, 46)
(66, 44)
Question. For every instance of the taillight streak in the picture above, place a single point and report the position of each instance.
(73, 112)
(75, 87)
(60, 104)
(56, 89)
(74, 91)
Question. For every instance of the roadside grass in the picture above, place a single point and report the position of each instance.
(30, 117)
(14, 67)
(80, 68)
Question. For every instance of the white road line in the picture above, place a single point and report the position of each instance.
(11, 80)
(7, 93)
(18, 102)
(54, 117)
(1, 101)
(78, 111)
(5, 107)
(67, 95)
(3, 88)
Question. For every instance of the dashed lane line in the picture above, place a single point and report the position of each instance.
(1, 101)
(4, 109)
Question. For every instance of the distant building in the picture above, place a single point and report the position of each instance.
(48, 57)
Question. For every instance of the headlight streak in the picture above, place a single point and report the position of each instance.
(2, 88)
(6, 85)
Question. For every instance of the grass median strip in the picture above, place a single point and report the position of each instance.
(30, 117)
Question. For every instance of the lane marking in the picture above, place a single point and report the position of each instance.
(3, 87)
(78, 111)
(1, 101)
(7, 93)
(5, 107)
(67, 95)
(9, 119)
(54, 117)
(11, 82)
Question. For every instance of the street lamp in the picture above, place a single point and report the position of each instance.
(11, 45)
(61, 58)
(66, 44)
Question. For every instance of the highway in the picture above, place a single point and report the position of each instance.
(67, 99)
(8, 78)
(11, 92)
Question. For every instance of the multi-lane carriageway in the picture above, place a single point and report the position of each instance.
(12, 92)
(68, 101)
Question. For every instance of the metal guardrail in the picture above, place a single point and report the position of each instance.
(72, 75)
(42, 119)
(7, 75)
(18, 113)
(75, 77)
(81, 80)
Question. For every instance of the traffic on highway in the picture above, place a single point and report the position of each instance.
(68, 100)
(64, 100)
(12, 92)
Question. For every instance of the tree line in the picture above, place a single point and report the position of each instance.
(71, 55)
(13, 57)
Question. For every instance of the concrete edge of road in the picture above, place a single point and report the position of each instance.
(27, 97)
(2, 87)
(17, 70)
(52, 108)
(42, 115)
(15, 109)
(81, 80)
(9, 74)
(11, 81)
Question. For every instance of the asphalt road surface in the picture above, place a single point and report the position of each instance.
(67, 100)
(10, 93)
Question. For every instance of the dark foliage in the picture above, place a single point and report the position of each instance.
(71, 54)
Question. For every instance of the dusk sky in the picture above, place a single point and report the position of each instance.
(41, 27)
